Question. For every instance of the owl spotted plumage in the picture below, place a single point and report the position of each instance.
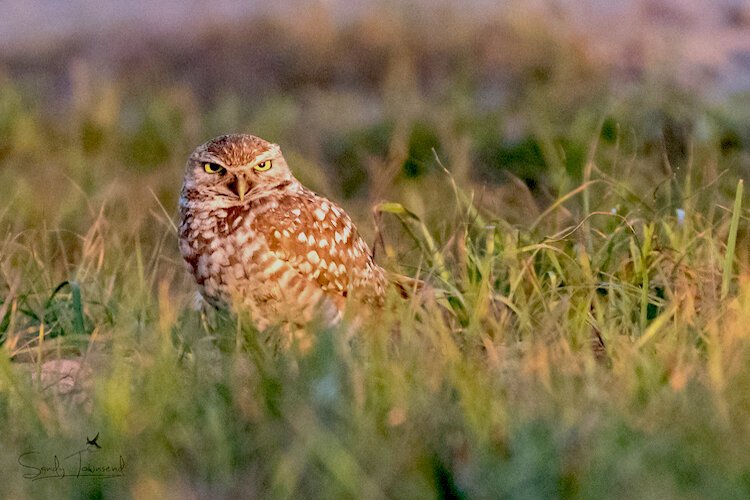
(254, 237)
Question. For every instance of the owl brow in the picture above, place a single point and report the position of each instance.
(272, 152)
(209, 158)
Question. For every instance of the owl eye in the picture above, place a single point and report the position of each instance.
(263, 166)
(213, 168)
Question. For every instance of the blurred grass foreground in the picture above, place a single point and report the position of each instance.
(582, 210)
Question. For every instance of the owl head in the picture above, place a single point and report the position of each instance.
(234, 169)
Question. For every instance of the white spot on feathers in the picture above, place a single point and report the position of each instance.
(313, 257)
(242, 237)
(202, 267)
(184, 247)
(275, 266)
(220, 257)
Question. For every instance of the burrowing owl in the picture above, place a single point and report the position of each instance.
(255, 238)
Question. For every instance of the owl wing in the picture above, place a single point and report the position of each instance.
(319, 240)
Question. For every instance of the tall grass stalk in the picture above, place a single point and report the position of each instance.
(728, 263)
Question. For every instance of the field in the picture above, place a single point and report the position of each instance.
(585, 236)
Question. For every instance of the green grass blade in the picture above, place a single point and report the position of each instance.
(732, 241)
(78, 324)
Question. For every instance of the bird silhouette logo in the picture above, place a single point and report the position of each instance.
(93, 442)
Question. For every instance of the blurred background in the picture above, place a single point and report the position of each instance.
(102, 101)
(500, 126)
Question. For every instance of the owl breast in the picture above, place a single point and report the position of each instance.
(279, 258)
(211, 242)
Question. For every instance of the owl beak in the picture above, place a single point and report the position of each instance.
(242, 186)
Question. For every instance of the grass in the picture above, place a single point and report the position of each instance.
(618, 221)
